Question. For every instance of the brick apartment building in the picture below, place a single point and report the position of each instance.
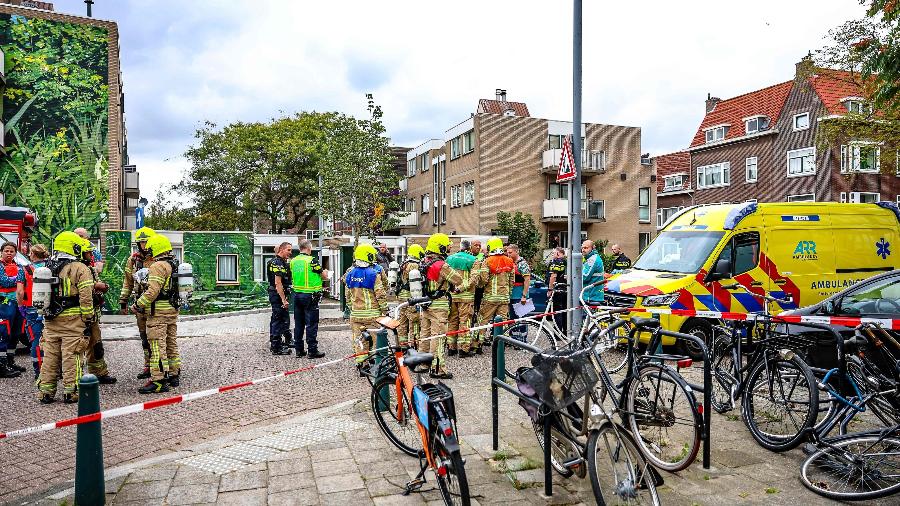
(111, 142)
(502, 159)
(763, 146)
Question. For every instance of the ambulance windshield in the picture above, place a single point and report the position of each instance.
(681, 252)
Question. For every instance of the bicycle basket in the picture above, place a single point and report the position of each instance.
(567, 374)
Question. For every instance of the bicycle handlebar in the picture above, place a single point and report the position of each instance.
(761, 296)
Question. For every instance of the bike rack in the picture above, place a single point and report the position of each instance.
(498, 380)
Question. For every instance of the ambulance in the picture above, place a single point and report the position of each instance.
(800, 252)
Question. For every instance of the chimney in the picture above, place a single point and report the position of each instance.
(805, 67)
(503, 95)
(498, 93)
(711, 102)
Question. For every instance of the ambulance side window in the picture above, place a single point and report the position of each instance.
(743, 251)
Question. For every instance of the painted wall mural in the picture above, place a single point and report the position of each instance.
(55, 111)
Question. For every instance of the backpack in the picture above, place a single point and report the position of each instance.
(58, 303)
(431, 271)
(169, 292)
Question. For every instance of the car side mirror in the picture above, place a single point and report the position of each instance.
(830, 307)
(722, 270)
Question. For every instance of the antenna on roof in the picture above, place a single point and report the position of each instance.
(88, 3)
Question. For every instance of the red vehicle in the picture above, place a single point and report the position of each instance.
(17, 224)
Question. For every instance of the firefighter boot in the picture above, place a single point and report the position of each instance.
(145, 374)
(47, 398)
(153, 387)
(106, 379)
(70, 398)
(174, 380)
(6, 372)
(11, 363)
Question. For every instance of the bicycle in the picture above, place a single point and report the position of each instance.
(404, 409)
(778, 393)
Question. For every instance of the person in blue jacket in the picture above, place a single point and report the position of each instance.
(592, 271)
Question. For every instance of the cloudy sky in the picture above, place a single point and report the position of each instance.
(649, 63)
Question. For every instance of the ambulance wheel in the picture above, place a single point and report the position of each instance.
(701, 329)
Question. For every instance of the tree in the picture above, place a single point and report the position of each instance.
(358, 184)
(521, 230)
(247, 171)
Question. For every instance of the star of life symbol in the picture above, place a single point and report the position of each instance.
(884, 248)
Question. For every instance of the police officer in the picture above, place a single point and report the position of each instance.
(366, 290)
(160, 304)
(68, 319)
(620, 261)
(138, 260)
(557, 270)
(279, 277)
(409, 316)
(307, 274)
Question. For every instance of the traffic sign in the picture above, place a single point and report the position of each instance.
(566, 171)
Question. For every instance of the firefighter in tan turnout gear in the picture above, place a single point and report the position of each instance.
(159, 304)
(440, 278)
(134, 280)
(408, 331)
(94, 355)
(366, 287)
(68, 319)
(462, 304)
(496, 275)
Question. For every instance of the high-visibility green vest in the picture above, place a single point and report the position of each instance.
(304, 280)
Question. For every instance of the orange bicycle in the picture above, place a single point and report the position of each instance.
(419, 419)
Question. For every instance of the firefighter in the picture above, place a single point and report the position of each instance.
(439, 277)
(138, 260)
(462, 305)
(496, 275)
(367, 296)
(95, 353)
(409, 316)
(68, 319)
(160, 305)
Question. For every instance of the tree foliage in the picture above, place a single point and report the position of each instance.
(521, 230)
(359, 186)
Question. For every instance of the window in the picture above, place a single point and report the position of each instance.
(803, 197)
(856, 106)
(755, 124)
(711, 176)
(643, 241)
(411, 167)
(261, 255)
(664, 214)
(716, 133)
(801, 162)
(750, 169)
(742, 252)
(861, 157)
(877, 297)
(426, 204)
(178, 253)
(556, 141)
(801, 121)
(443, 167)
(469, 193)
(673, 182)
(596, 210)
(454, 148)
(864, 197)
(561, 191)
(644, 205)
(226, 269)
(680, 252)
(468, 141)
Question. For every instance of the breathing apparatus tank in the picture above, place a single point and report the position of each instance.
(185, 282)
(415, 283)
(42, 288)
(393, 267)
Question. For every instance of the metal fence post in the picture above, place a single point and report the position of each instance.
(501, 350)
(90, 486)
(381, 342)
(498, 371)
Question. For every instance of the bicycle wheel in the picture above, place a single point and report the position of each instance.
(450, 473)
(664, 418)
(395, 416)
(541, 334)
(854, 469)
(619, 474)
(723, 373)
(614, 355)
(870, 381)
(781, 402)
(561, 449)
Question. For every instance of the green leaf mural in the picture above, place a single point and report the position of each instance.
(55, 107)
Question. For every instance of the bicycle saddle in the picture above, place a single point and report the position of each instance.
(413, 358)
(645, 323)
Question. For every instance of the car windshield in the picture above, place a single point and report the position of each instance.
(681, 252)
(879, 297)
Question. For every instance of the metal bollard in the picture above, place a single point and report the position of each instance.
(501, 350)
(381, 342)
(90, 485)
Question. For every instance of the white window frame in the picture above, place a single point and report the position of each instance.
(602, 209)
(455, 147)
(794, 122)
(724, 169)
(860, 106)
(796, 197)
(468, 142)
(426, 203)
(237, 269)
(641, 207)
(672, 177)
(755, 165)
(468, 193)
(661, 213)
(802, 172)
(715, 131)
(641, 237)
(755, 120)
(411, 167)
(860, 194)
(851, 156)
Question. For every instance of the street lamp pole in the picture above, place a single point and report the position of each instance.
(575, 258)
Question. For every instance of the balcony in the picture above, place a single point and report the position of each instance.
(410, 220)
(557, 211)
(592, 162)
(132, 183)
(404, 185)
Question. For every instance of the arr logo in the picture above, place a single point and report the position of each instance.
(805, 250)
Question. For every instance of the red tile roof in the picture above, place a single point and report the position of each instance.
(732, 111)
(673, 163)
(500, 107)
(833, 85)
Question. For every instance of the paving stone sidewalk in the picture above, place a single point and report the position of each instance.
(337, 455)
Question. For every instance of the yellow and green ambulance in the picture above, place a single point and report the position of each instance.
(805, 250)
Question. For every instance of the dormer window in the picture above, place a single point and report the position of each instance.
(716, 133)
(755, 124)
(856, 106)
